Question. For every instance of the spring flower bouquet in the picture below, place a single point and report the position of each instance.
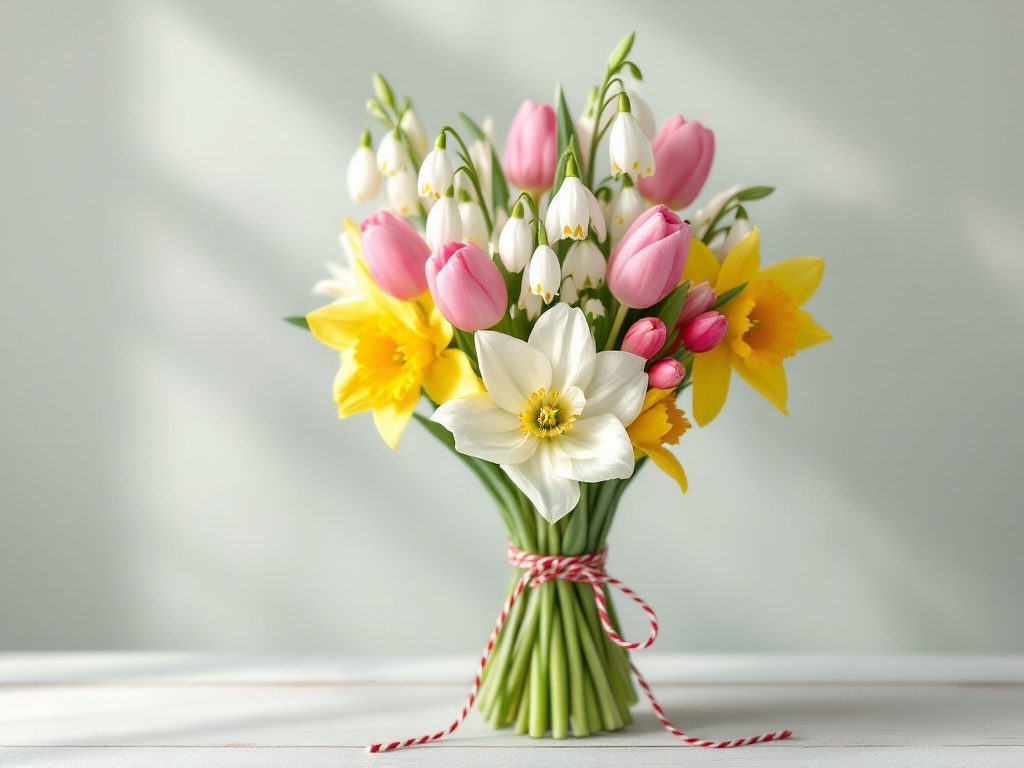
(552, 332)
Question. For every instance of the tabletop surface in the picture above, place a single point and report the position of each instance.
(145, 709)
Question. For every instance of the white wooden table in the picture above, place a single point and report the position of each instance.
(197, 711)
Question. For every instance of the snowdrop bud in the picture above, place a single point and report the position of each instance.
(646, 266)
(402, 193)
(568, 294)
(392, 156)
(395, 255)
(645, 337)
(703, 333)
(531, 151)
(629, 149)
(585, 264)
(573, 209)
(629, 206)
(436, 173)
(642, 112)
(515, 245)
(466, 285)
(667, 373)
(684, 151)
(543, 274)
(474, 227)
(739, 229)
(363, 177)
(699, 299)
(594, 308)
(444, 224)
(410, 123)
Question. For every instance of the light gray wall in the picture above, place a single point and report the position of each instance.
(174, 475)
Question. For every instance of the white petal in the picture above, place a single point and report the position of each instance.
(512, 370)
(484, 430)
(563, 336)
(594, 450)
(618, 387)
(596, 216)
(553, 496)
(552, 225)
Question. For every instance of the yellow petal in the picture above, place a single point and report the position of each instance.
(451, 376)
(439, 330)
(809, 333)
(353, 235)
(666, 461)
(350, 391)
(337, 325)
(741, 263)
(406, 312)
(798, 277)
(711, 372)
(701, 265)
(390, 419)
(769, 381)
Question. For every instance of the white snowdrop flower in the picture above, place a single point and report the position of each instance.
(515, 245)
(410, 123)
(402, 195)
(573, 209)
(585, 264)
(529, 302)
(543, 274)
(594, 308)
(643, 114)
(629, 149)
(474, 227)
(568, 294)
(363, 176)
(628, 206)
(392, 156)
(436, 173)
(444, 224)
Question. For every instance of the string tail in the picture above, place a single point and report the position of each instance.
(693, 741)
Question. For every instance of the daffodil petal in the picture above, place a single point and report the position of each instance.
(618, 386)
(809, 333)
(552, 495)
(337, 325)
(484, 430)
(768, 381)
(511, 369)
(406, 312)
(594, 450)
(798, 277)
(451, 376)
(350, 393)
(741, 263)
(438, 330)
(391, 418)
(711, 373)
(563, 337)
(701, 265)
(666, 461)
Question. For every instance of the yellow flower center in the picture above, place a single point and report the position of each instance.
(391, 359)
(545, 415)
(763, 322)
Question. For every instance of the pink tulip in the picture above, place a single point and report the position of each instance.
(531, 151)
(699, 299)
(646, 265)
(466, 286)
(667, 373)
(683, 152)
(703, 333)
(645, 337)
(395, 255)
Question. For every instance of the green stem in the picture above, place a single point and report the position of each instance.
(577, 677)
(473, 177)
(559, 678)
(620, 317)
(609, 710)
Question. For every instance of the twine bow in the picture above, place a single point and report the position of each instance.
(580, 568)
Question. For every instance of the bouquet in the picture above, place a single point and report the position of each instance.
(552, 331)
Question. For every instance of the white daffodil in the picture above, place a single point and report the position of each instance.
(709, 212)
(585, 264)
(629, 205)
(392, 156)
(436, 173)
(402, 195)
(444, 224)
(573, 210)
(410, 123)
(474, 228)
(629, 149)
(363, 176)
(555, 411)
(515, 244)
(543, 275)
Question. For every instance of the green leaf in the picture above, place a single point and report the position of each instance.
(635, 70)
(673, 306)
(728, 295)
(621, 52)
(754, 193)
(383, 89)
(499, 187)
(566, 136)
(472, 127)
(297, 320)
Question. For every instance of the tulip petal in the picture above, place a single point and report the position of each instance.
(391, 418)
(711, 373)
(564, 338)
(552, 495)
(666, 461)
(701, 264)
(741, 263)
(809, 333)
(451, 376)
(768, 381)
(798, 277)
(594, 450)
(618, 386)
(484, 430)
(512, 370)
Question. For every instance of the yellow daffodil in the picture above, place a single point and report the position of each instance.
(391, 352)
(766, 323)
(660, 422)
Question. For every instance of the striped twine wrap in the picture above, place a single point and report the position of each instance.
(582, 568)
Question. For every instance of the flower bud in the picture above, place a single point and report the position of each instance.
(395, 254)
(645, 337)
(363, 178)
(474, 228)
(683, 151)
(703, 333)
(436, 173)
(585, 264)
(402, 195)
(392, 156)
(444, 224)
(410, 123)
(699, 299)
(666, 373)
(466, 286)
(647, 264)
(543, 273)
(515, 245)
(531, 150)
(629, 149)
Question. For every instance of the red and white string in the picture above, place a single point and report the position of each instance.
(581, 568)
